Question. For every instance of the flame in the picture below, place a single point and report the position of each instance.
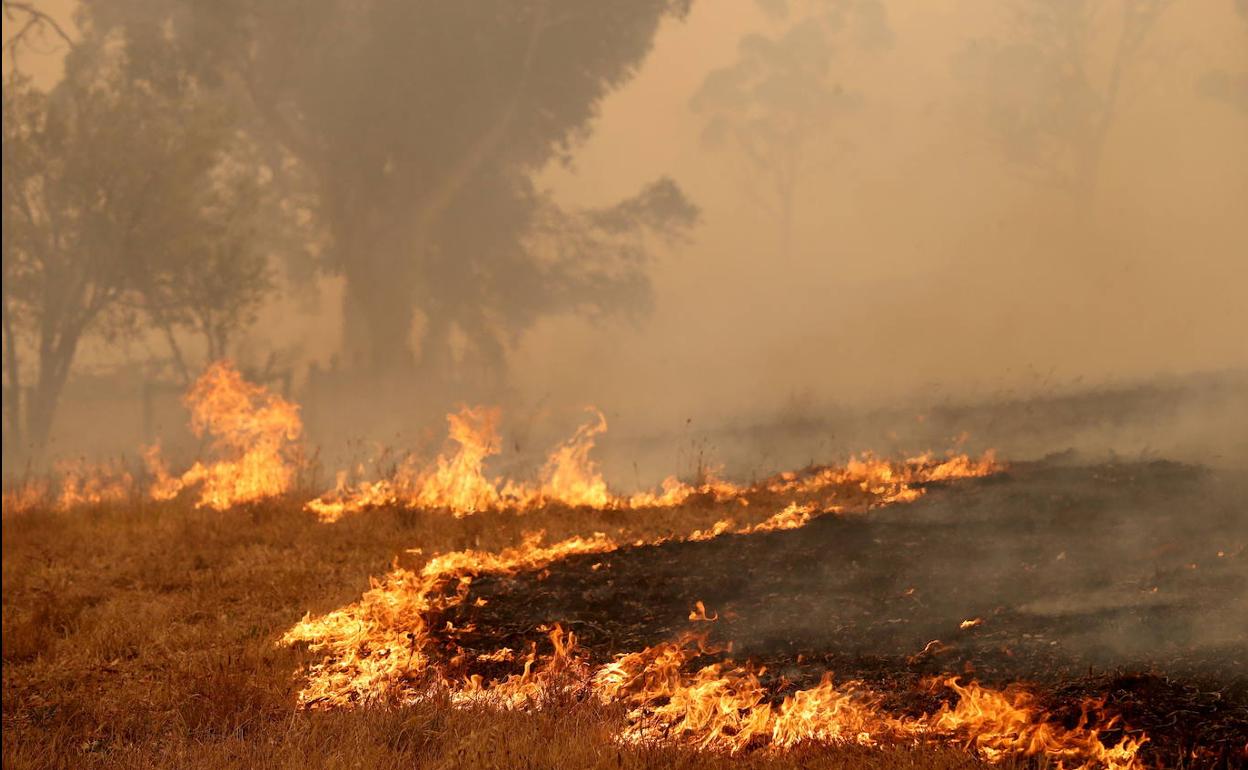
(344, 499)
(25, 497)
(387, 646)
(792, 517)
(457, 482)
(725, 707)
(253, 430)
(80, 483)
(999, 723)
(164, 486)
(673, 492)
(377, 647)
(723, 526)
(957, 466)
(85, 484)
(887, 481)
(544, 678)
(698, 613)
(569, 476)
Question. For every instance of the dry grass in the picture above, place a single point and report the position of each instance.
(143, 636)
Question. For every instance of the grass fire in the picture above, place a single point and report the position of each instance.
(818, 608)
(625, 384)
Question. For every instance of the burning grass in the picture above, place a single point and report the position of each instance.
(535, 601)
(144, 635)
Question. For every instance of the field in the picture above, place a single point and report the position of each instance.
(146, 634)
(919, 611)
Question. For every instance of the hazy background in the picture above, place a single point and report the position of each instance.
(994, 202)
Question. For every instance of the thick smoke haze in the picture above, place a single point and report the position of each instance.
(921, 261)
(929, 259)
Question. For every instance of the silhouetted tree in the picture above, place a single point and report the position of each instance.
(420, 125)
(1044, 92)
(113, 207)
(586, 261)
(212, 279)
(780, 102)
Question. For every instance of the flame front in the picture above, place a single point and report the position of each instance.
(998, 724)
(379, 650)
(723, 706)
(387, 648)
(456, 481)
(80, 484)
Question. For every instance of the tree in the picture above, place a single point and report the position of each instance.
(779, 103)
(214, 277)
(420, 125)
(108, 192)
(27, 22)
(1043, 94)
(24, 23)
(542, 259)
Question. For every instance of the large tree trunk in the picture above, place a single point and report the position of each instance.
(378, 310)
(56, 355)
(379, 306)
(13, 433)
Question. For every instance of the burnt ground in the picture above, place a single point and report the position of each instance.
(1122, 581)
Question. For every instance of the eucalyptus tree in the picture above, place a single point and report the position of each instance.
(418, 127)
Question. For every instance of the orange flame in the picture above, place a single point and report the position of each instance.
(252, 429)
(390, 617)
(84, 484)
(998, 724)
(385, 648)
(25, 497)
(377, 646)
(457, 481)
(570, 476)
(725, 707)
(792, 517)
(81, 484)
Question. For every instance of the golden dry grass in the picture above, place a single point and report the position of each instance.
(144, 636)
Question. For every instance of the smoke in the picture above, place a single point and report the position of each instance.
(924, 265)
(934, 279)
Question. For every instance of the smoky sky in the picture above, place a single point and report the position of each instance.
(923, 264)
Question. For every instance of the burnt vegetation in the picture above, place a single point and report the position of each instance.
(1103, 581)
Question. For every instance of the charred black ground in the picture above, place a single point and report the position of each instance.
(1122, 581)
